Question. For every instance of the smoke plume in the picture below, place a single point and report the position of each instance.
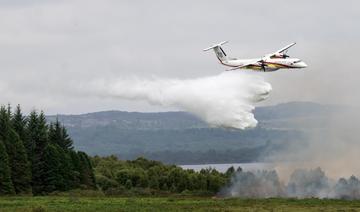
(303, 183)
(224, 100)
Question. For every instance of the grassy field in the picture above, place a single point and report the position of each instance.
(100, 204)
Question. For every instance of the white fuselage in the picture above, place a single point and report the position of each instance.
(270, 64)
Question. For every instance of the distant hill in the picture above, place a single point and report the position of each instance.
(296, 115)
(179, 137)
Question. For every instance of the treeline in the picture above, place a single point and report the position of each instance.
(38, 158)
(212, 156)
(147, 177)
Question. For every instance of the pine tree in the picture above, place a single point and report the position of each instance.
(37, 158)
(67, 141)
(58, 167)
(55, 133)
(40, 139)
(59, 135)
(5, 128)
(19, 122)
(6, 186)
(52, 174)
(20, 166)
(31, 137)
(18, 162)
(60, 139)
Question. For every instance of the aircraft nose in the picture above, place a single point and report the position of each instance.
(303, 65)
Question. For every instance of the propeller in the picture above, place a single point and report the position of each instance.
(262, 63)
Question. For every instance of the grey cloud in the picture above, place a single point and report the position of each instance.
(49, 43)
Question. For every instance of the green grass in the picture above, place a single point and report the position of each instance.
(99, 204)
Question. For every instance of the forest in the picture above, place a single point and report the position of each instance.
(38, 158)
(147, 177)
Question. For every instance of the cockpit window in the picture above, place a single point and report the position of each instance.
(297, 61)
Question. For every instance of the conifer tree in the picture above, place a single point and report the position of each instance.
(58, 168)
(31, 137)
(18, 162)
(37, 158)
(67, 141)
(20, 166)
(40, 139)
(55, 133)
(19, 122)
(67, 169)
(52, 174)
(6, 186)
(5, 128)
(59, 135)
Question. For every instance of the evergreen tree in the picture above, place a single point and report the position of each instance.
(6, 186)
(37, 158)
(20, 166)
(59, 135)
(18, 162)
(60, 139)
(19, 122)
(40, 139)
(31, 137)
(67, 141)
(5, 128)
(53, 179)
(65, 169)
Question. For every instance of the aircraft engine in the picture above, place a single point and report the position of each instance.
(280, 55)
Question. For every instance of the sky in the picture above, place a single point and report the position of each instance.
(48, 46)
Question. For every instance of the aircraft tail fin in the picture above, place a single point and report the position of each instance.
(220, 53)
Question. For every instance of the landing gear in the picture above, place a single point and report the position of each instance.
(263, 66)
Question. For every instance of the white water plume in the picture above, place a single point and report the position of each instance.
(224, 100)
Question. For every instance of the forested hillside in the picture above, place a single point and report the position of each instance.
(37, 157)
(181, 138)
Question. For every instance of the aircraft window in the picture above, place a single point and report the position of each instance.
(297, 61)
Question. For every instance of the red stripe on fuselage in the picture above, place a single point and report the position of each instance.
(256, 65)
(286, 66)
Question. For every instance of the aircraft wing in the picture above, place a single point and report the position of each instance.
(285, 48)
(281, 50)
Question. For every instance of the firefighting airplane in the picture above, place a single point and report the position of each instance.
(269, 62)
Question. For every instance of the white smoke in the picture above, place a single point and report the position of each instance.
(303, 183)
(224, 100)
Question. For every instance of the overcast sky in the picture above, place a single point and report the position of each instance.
(46, 44)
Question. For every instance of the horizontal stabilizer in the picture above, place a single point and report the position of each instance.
(215, 45)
